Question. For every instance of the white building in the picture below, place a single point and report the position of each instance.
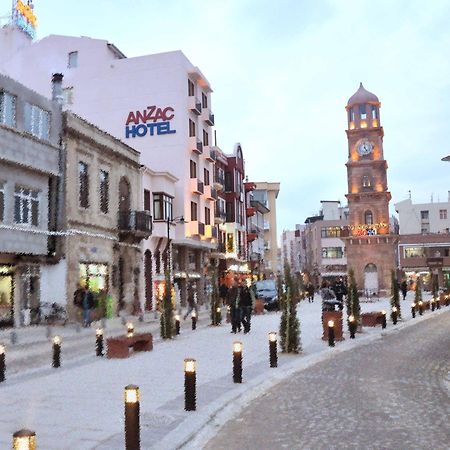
(421, 218)
(289, 250)
(158, 104)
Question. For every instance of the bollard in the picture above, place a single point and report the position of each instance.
(189, 384)
(394, 315)
(331, 333)
(99, 341)
(132, 426)
(237, 362)
(24, 440)
(130, 329)
(413, 310)
(420, 307)
(433, 304)
(218, 315)
(56, 352)
(438, 303)
(383, 323)
(352, 326)
(177, 324)
(273, 357)
(2, 363)
(194, 319)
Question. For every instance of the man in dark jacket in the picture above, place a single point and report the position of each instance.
(340, 290)
(84, 299)
(234, 302)
(246, 308)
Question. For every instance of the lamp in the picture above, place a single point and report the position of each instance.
(130, 329)
(383, 323)
(237, 361)
(177, 323)
(190, 369)
(273, 357)
(24, 440)
(194, 319)
(331, 333)
(413, 310)
(352, 326)
(99, 341)
(2, 363)
(132, 411)
(56, 352)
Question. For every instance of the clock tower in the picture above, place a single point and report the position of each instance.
(370, 246)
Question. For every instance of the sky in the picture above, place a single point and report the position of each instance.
(282, 72)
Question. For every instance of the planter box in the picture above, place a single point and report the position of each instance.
(372, 319)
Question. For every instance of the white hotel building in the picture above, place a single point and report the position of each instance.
(158, 104)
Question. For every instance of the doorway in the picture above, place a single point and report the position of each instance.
(371, 280)
(6, 300)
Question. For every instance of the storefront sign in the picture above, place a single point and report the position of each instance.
(151, 121)
(24, 17)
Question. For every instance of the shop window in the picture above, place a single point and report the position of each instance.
(95, 276)
(7, 109)
(83, 180)
(104, 191)
(162, 206)
(26, 206)
(414, 252)
(37, 121)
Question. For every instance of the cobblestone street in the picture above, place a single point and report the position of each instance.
(389, 394)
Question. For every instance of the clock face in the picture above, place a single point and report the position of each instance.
(365, 147)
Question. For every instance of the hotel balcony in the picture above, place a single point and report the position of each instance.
(197, 186)
(207, 116)
(135, 223)
(209, 153)
(195, 105)
(210, 231)
(219, 182)
(219, 216)
(195, 145)
(210, 193)
(196, 228)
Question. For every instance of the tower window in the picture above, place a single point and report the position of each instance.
(362, 112)
(368, 218)
(374, 112)
(352, 114)
(366, 181)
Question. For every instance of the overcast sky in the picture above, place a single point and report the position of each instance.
(282, 72)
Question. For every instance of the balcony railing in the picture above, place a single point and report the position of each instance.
(197, 186)
(208, 153)
(210, 119)
(210, 193)
(135, 221)
(195, 106)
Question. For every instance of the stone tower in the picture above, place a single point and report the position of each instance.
(370, 246)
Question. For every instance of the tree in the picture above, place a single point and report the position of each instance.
(435, 285)
(289, 325)
(166, 319)
(353, 307)
(395, 294)
(418, 293)
(216, 317)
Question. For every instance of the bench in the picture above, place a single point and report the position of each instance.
(118, 347)
(371, 319)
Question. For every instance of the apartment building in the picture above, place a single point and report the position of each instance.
(289, 251)
(158, 104)
(266, 193)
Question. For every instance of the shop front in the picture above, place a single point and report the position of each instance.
(6, 296)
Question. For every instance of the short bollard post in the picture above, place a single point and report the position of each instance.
(218, 315)
(352, 326)
(56, 352)
(24, 440)
(190, 384)
(438, 303)
(99, 341)
(420, 307)
(194, 319)
(273, 357)
(331, 333)
(2, 363)
(130, 329)
(132, 426)
(447, 300)
(237, 362)
(433, 304)
(413, 310)
(383, 320)
(394, 315)
(177, 324)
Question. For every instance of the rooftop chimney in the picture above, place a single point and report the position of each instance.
(57, 93)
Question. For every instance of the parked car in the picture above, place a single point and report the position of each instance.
(266, 290)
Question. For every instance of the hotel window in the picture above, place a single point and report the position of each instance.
(330, 232)
(414, 252)
(194, 212)
(193, 169)
(332, 252)
(83, 180)
(2, 201)
(191, 88)
(207, 216)
(424, 215)
(146, 200)
(374, 112)
(362, 112)
(191, 128)
(104, 191)
(162, 206)
(368, 218)
(204, 100)
(26, 206)
(7, 109)
(206, 177)
(72, 60)
(205, 138)
(443, 214)
(37, 121)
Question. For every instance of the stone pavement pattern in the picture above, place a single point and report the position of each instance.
(388, 395)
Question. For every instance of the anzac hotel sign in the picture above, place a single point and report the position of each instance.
(149, 122)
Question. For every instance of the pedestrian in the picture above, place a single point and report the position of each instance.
(233, 301)
(191, 302)
(339, 290)
(404, 288)
(246, 306)
(84, 299)
(223, 291)
(310, 292)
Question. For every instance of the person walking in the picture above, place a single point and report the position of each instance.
(404, 288)
(191, 301)
(310, 292)
(223, 291)
(339, 290)
(234, 301)
(246, 306)
(84, 299)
